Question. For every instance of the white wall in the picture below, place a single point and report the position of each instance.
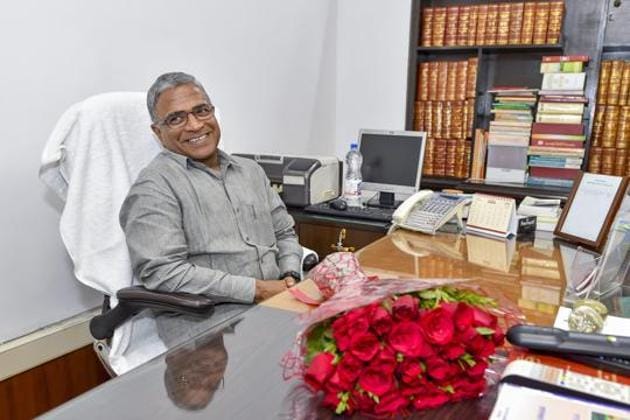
(268, 65)
(372, 59)
(290, 76)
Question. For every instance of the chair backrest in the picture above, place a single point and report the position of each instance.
(91, 159)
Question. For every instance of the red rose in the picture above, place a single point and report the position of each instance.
(467, 335)
(381, 321)
(437, 326)
(364, 346)
(386, 354)
(391, 404)
(454, 351)
(405, 308)
(406, 338)
(449, 307)
(464, 317)
(320, 369)
(410, 371)
(483, 318)
(331, 400)
(438, 369)
(498, 337)
(375, 381)
(348, 368)
(478, 370)
(348, 325)
(466, 389)
(430, 401)
(481, 346)
(361, 401)
(336, 384)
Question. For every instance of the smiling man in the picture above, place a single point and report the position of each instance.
(198, 220)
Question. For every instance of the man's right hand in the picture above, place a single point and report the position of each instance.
(268, 288)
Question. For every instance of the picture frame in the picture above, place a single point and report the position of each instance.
(590, 209)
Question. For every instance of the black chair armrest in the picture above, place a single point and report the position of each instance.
(132, 300)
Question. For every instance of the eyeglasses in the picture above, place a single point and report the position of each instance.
(179, 119)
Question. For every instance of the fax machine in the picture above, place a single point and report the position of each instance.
(301, 180)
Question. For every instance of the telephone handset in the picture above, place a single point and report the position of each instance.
(426, 211)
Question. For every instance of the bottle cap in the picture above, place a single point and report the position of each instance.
(353, 146)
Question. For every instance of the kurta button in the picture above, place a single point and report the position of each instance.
(247, 238)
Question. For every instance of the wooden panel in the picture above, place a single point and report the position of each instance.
(44, 387)
(320, 237)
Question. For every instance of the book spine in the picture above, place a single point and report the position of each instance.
(427, 27)
(595, 160)
(492, 22)
(418, 116)
(546, 128)
(437, 119)
(616, 72)
(602, 86)
(540, 23)
(503, 24)
(423, 82)
(516, 23)
(558, 118)
(623, 129)
(561, 173)
(609, 132)
(452, 17)
(557, 143)
(463, 25)
(471, 82)
(461, 80)
(439, 26)
(564, 58)
(472, 25)
(529, 18)
(561, 108)
(564, 81)
(624, 90)
(433, 80)
(554, 28)
(451, 81)
(482, 23)
(442, 78)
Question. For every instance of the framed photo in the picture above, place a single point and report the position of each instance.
(590, 209)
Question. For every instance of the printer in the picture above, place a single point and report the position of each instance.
(301, 180)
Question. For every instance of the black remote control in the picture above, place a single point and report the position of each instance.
(555, 340)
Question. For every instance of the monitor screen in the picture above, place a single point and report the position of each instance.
(392, 160)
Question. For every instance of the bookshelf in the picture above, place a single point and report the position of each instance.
(593, 28)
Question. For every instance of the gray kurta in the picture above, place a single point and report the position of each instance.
(191, 229)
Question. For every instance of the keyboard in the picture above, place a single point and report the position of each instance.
(367, 213)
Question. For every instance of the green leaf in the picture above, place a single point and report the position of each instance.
(400, 357)
(423, 366)
(448, 389)
(343, 402)
(428, 294)
(467, 357)
(319, 339)
(484, 330)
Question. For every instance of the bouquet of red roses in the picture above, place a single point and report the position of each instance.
(412, 351)
(390, 346)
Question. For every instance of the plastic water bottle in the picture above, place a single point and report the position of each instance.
(352, 180)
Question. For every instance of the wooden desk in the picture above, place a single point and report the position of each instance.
(529, 273)
(233, 369)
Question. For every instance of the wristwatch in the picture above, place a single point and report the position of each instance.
(296, 276)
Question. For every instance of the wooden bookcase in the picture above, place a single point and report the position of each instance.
(597, 28)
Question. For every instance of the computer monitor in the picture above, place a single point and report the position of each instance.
(392, 163)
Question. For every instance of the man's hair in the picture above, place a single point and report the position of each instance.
(167, 81)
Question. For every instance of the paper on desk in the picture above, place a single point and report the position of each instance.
(613, 325)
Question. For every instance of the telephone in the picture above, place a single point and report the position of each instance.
(426, 211)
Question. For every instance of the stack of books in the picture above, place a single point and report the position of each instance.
(444, 109)
(509, 134)
(506, 23)
(610, 141)
(547, 212)
(557, 146)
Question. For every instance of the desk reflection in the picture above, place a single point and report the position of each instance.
(195, 371)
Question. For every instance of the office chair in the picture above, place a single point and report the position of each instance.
(91, 159)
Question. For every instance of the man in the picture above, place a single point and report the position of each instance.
(198, 220)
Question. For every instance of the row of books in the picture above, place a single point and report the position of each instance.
(609, 161)
(447, 158)
(557, 145)
(445, 119)
(447, 80)
(614, 83)
(505, 23)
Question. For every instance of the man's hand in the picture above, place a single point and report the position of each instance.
(268, 288)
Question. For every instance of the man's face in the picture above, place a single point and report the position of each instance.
(196, 139)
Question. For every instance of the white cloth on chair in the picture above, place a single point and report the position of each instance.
(91, 159)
